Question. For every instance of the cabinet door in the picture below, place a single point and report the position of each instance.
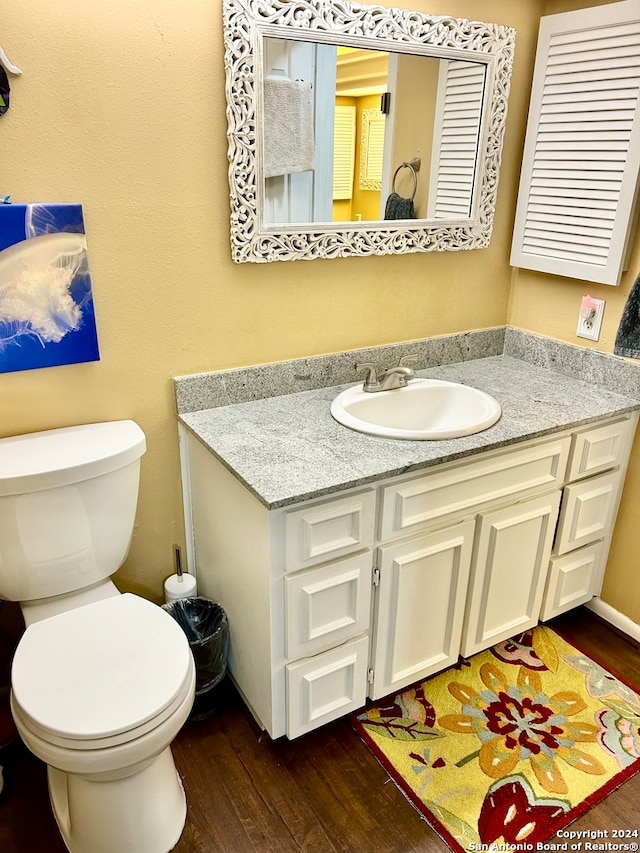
(566, 222)
(420, 606)
(513, 547)
(572, 579)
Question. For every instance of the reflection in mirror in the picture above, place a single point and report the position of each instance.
(357, 130)
(371, 112)
(371, 149)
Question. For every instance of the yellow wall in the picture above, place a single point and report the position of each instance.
(416, 86)
(365, 202)
(121, 106)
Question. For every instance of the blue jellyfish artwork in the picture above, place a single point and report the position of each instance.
(46, 304)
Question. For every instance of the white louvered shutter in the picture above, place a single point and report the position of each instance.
(344, 152)
(582, 150)
(455, 141)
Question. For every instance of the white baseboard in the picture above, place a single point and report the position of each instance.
(614, 617)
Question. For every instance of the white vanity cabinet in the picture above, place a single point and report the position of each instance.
(366, 591)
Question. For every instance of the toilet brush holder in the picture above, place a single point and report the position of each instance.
(180, 586)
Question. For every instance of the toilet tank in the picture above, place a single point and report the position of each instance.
(67, 507)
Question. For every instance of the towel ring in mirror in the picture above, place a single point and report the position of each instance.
(414, 168)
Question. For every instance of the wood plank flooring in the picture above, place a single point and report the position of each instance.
(321, 793)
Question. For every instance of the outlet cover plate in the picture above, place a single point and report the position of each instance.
(590, 318)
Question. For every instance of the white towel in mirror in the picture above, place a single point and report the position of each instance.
(289, 144)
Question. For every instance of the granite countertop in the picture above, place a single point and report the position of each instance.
(287, 449)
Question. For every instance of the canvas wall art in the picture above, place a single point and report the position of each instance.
(46, 304)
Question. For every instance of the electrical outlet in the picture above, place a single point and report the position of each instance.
(590, 318)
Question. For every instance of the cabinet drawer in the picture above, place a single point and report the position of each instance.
(323, 531)
(463, 487)
(327, 605)
(599, 448)
(327, 686)
(588, 511)
(572, 580)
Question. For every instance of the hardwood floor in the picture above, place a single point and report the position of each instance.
(321, 793)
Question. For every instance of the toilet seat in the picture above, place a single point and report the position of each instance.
(101, 675)
(116, 761)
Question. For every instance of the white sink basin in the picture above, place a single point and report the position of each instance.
(426, 410)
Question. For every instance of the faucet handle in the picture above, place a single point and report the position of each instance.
(406, 358)
(371, 381)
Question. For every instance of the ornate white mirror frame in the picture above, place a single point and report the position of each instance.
(248, 22)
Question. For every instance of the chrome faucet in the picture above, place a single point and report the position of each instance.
(389, 379)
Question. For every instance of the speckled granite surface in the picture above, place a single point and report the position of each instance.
(288, 448)
(592, 365)
(224, 387)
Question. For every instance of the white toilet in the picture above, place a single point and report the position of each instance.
(101, 681)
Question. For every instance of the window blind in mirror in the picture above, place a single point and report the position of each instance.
(344, 152)
(455, 139)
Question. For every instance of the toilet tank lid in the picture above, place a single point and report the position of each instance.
(59, 457)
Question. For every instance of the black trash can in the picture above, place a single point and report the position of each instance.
(207, 629)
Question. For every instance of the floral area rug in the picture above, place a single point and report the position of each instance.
(508, 746)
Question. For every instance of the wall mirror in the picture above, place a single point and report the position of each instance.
(360, 130)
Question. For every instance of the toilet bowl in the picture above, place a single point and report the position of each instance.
(99, 693)
(101, 681)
